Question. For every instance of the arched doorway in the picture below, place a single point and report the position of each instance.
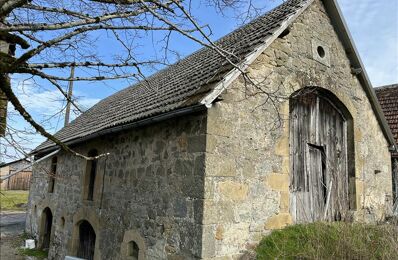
(87, 237)
(46, 225)
(322, 157)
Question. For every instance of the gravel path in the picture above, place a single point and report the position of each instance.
(12, 225)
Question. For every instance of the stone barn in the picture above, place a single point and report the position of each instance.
(198, 162)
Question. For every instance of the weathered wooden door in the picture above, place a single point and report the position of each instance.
(318, 140)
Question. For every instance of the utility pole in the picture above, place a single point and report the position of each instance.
(70, 90)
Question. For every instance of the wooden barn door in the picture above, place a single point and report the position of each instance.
(318, 139)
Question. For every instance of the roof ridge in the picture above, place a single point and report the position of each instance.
(391, 86)
(204, 48)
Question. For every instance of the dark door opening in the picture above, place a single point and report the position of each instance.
(46, 229)
(86, 241)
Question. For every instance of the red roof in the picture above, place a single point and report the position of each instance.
(388, 98)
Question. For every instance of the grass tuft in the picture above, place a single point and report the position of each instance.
(336, 240)
(38, 253)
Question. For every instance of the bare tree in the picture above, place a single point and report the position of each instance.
(45, 38)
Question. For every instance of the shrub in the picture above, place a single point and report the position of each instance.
(336, 240)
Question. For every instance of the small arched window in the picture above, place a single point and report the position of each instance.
(90, 175)
(133, 250)
(53, 171)
(133, 246)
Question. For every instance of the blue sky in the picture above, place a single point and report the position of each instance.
(373, 25)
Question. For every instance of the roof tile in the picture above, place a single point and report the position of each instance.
(388, 98)
(175, 86)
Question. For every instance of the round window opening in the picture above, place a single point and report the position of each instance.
(321, 51)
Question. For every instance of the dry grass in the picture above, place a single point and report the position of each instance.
(336, 240)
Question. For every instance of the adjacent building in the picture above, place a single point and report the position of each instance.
(388, 98)
(15, 175)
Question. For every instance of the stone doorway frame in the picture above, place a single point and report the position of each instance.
(42, 228)
(91, 217)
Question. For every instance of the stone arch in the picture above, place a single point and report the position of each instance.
(39, 208)
(322, 156)
(62, 219)
(90, 216)
(130, 237)
(87, 240)
(46, 228)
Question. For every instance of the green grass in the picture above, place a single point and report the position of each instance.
(20, 241)
(15, 200)
(331, 241)
(40, 254)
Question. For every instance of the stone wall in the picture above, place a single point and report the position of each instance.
(148, 189)
(247, 153)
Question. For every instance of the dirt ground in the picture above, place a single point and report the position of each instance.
(11, 228)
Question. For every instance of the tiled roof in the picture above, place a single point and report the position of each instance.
(180, 85)
(388, 98)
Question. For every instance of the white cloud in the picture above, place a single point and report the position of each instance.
(374, 26)
(45, 102)
(42, 104)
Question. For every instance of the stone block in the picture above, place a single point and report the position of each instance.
(217, 212)
(282, 146)
(180, 208)
(284, 202)
(234, 191)
(278, 182)
(249, 169)
(209, 188)
(211, 143)
(182, 142)
(278, 221)
(208, 242)
(219, 232)
(197, 143)
(199, 165)
(220, 166)
(217, 122)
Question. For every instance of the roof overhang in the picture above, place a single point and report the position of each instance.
(343, 32)
(116, 129)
